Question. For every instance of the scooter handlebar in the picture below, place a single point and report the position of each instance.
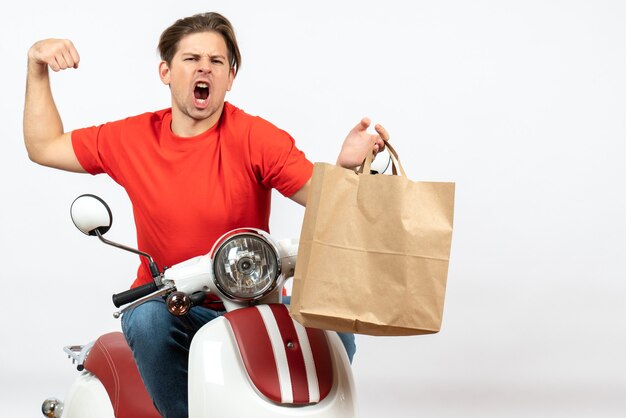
(133, 294)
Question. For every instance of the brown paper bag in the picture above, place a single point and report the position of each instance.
(374, 252)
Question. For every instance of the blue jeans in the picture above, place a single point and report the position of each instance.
(160, 344)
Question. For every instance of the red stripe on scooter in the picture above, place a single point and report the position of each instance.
(256, 350)
(323, 362)
(295, 359)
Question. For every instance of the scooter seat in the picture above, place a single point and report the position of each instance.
(111, 360)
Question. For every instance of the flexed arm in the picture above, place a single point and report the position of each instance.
(46, 142)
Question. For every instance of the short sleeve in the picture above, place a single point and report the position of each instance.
(276, 160)
(85, 143)
(97, 148)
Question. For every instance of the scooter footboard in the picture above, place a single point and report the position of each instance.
(259, 362)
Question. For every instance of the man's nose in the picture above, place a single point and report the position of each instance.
(204, 65)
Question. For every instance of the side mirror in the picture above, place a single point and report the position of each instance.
(90, 214)
(382, 162)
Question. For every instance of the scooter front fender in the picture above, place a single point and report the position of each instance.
(219, 384)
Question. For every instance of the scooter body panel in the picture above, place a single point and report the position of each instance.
(87, 397)
(219, 384)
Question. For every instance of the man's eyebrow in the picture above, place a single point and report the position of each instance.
(196, 55)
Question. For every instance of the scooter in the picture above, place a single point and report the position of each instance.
(252, 361)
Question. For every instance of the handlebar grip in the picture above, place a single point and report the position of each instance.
(133, 294)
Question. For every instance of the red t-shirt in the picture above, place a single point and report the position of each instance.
(187, 192)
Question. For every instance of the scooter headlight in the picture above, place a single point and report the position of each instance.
(246, 265)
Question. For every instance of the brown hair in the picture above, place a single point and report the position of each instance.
(202, 22)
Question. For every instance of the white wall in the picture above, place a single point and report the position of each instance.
(521, 103)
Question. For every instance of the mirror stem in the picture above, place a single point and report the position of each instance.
(154, 270)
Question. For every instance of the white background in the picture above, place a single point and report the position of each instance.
(522, 104)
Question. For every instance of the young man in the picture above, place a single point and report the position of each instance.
(192, 172)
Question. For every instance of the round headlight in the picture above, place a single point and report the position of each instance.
(245, 266)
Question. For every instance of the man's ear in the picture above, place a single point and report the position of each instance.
(164, 72)
(231, 78)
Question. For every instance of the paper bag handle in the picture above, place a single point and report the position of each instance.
(395, 162)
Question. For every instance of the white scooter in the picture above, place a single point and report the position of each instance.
(254, 361)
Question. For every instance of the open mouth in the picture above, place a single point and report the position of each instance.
(201, 92)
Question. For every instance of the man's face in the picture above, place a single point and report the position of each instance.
(199, 77)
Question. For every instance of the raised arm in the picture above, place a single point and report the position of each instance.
(46, 142)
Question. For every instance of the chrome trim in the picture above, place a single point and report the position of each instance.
(52, 408)
(78, 354)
